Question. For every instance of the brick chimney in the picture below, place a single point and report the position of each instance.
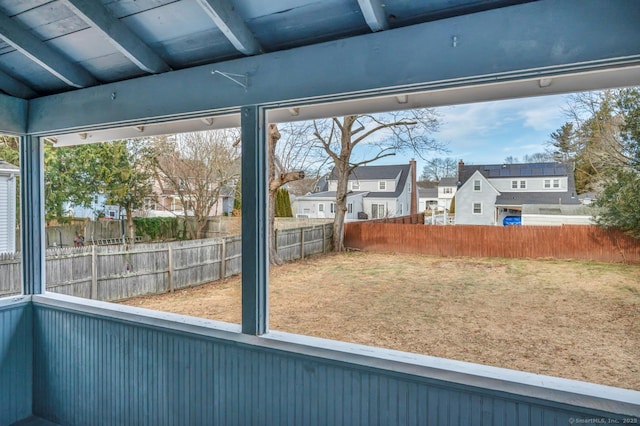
(460, 165)
(414, 188)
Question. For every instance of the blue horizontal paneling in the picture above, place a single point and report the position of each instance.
(15, 361)
(93, 369)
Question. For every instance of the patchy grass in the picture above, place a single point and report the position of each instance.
(576, 320)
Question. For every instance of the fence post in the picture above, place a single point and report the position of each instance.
(94, 272)
(324, 236)
(170, 272)
(302, 243)
(275, 236)
(223, 259)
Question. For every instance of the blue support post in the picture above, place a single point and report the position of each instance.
(255, 258)
(32, 214)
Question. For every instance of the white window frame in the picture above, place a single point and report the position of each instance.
(333, 207)
(479, 185)
(355, 186)
(382, 185)
(350, 208)
(380, 211)
(547, 184)
(447, 190)
(321, 207)
(514, 184)
(523, 184)
(555, 183)
(400, 210)
(473, 207)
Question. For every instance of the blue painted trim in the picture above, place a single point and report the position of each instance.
(16, 359)
(246, 364)
(13, 115)
(255, 255)
(561, 36)
(32, 230)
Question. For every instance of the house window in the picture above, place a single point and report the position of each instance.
(514, 184)
(400, 210)
(547, 183)
(350, 208)
(382, 185)
(447, 190)
(321, 207)
(355, 186)
(476, 185)
(477, 208)
(377, 211)
(556, 183)
(523, 184)
(333, 207)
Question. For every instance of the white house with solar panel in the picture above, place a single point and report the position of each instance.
(527, 194)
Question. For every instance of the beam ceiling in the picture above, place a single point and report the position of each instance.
(373, 12)
(232, 25)
(469, 50)
(96, 15)
(36, 50)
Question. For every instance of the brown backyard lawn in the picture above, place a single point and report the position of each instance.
(576, 320)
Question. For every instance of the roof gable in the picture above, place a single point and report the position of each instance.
(485, 182)
(374, 172)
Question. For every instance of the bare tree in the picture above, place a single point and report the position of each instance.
(278, 176)
(197, 167)
(291, 157)
(438, 168)
(356, 140)
(538, 157)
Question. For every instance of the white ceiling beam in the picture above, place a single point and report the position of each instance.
(95, 14)
(232, 25)
(373, 12)
(36, 50)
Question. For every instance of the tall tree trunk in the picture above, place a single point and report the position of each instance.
(277, 178)
(131, 227)
(343, 171)
(274, 257)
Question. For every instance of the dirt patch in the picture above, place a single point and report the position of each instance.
(569, 319)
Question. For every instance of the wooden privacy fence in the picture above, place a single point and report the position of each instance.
(410, 219)
(558, 242)
(117, 272)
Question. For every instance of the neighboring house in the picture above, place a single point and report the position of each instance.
(165, 200)
(489, 193)
(166, 203)
(436, 197)
(8, 174)
(427, 196)
(374, 192)
(98, 208)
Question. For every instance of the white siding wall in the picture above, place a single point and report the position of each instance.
(555, 220)
(7, 214)
(466, 197)
(367, 185)
(311, 207)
